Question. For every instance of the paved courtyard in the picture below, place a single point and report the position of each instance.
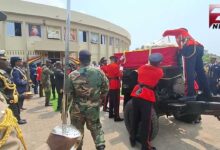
(173, 135)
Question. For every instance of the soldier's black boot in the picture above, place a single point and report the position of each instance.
(111, 116)
(22, 121)
(145, 148)
(132, 141)
(118, 119)
(101, 147)
(47, 104)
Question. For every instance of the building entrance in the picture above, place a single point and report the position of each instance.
(54, 56)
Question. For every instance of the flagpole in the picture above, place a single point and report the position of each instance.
(67, 131)
(67, 37)
(28, 87)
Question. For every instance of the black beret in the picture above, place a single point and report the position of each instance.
(33, 65)
(113, 58)
(103, 59)
(84, 54)
(15, 59)
(156, 57)
(39, 63)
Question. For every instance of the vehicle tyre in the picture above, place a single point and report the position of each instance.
(128, 116)
(188, 118)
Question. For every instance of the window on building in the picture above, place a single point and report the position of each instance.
(94, 38)
(103, 39)
(111, 41)
(82, 36)
(14, 29)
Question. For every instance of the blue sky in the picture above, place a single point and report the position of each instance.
(146, 20)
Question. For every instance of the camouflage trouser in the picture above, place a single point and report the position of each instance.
(47, 91)
(90, 116)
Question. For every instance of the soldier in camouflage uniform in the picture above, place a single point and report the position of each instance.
(87, 86)
(45, 80)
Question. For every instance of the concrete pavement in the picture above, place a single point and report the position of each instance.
(173, 135)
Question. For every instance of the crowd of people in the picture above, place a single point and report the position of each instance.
(49, 77)
(213, 73)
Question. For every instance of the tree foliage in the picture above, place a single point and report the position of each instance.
(207, 56)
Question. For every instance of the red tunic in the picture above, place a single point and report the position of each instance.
(114, 74)
(181, 32)
(147, 75)
(104, 68)
(39, 73)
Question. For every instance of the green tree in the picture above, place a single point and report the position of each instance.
(207, 56)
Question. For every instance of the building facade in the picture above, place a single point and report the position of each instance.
(38, 30)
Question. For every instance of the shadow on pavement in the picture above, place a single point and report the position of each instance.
(173, 135)
(176, 135)
(37, 109)
(116, 133)
(47, 115)
(44, 112)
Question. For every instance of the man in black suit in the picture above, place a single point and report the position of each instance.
(59, 80)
